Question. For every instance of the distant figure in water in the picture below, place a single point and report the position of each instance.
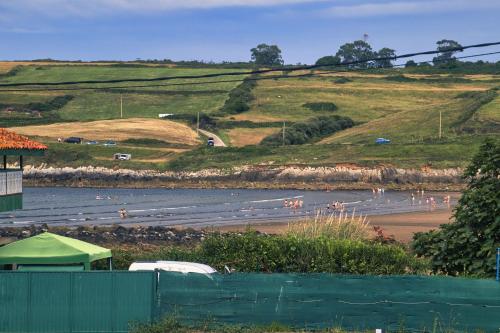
(123, 213)
(285, 204)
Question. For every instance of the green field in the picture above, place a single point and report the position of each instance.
(405, 109)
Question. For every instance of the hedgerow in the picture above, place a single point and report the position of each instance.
(254, 252)
(308, 131)
(320, 106)
(239, 98)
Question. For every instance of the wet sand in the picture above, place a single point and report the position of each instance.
(402, 225)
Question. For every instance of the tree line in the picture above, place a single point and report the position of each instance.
(359, 51)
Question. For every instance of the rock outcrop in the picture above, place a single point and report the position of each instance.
(269, 175)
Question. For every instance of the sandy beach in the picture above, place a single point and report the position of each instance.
(402, 226)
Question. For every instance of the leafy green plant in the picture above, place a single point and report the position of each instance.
(467, 246)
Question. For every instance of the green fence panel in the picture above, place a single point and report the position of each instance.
(323, 300)
(134, 297)
(14, 302)
(75, 301)
(50, 302)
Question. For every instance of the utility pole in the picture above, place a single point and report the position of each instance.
(198, 123)
(440, 124)
(284, 127)
(121, 106)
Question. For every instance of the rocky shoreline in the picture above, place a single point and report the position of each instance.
(110, 235)
(271, 177)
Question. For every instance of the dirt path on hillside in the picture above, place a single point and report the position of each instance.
(217, 141)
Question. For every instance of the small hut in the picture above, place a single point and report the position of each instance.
(11, 180)
(49, 252)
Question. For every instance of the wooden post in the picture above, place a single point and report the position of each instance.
(21, 164)
(440, 124)
(284, 133)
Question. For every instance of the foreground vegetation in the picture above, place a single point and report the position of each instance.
(468, 245)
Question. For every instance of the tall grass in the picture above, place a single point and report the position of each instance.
(335, 226)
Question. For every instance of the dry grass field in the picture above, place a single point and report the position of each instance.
(249, 136)
(117, 129)
(5, 66)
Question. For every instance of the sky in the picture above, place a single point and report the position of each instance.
(218, 30)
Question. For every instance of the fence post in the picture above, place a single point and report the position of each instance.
(498, 263)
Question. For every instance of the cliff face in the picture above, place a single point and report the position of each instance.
(266, 176)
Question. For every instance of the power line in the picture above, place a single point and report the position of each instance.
(316, 74)
(261, 71)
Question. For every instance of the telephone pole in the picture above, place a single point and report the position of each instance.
(121, 106)
(284, 127)
(440, 124)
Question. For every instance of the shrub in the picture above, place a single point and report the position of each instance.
(342, 80)
(254, 252)
(467, 246)
(312, 129)
(320, 106)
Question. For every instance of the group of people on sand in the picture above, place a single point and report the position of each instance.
(293, 204)
(336, 206)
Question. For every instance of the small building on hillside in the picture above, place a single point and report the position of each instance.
(12, 148)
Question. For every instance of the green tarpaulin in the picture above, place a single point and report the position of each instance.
(51, 249)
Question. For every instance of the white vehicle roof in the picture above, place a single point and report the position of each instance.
(172, 266)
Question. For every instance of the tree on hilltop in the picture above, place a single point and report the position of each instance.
(385, 53)
(447, 49)
(267, 55)
(328, 60)
(358, 50)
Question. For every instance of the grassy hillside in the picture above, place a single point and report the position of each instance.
(395, 104)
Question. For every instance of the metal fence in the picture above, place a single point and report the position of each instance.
(75, 301)
(110, 301)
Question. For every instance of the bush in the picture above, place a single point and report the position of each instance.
(254, 252)
(320, 106)
(467, 246)
(342, 80)
(311, 130)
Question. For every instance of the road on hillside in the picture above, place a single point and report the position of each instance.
(217, 141)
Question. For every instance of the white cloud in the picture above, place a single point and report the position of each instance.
(409, 7)
(92, 7)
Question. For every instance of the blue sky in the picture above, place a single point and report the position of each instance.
(216, 30)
